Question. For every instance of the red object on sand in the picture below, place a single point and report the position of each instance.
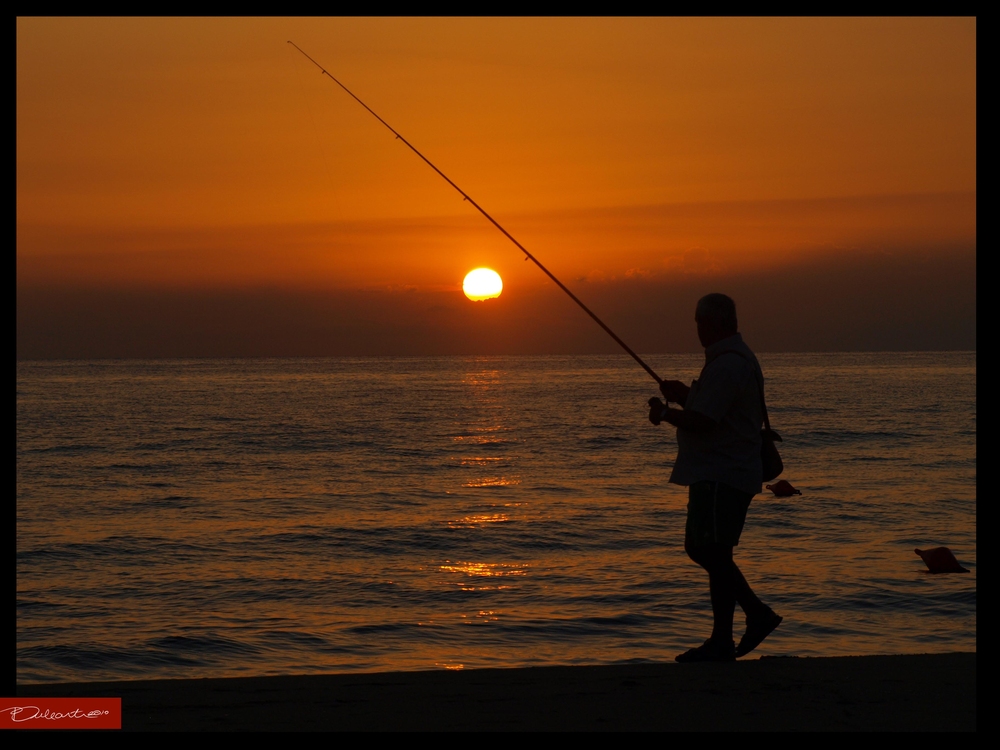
(940, 560)
(783, 489)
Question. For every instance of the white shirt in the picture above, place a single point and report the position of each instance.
(727, 392)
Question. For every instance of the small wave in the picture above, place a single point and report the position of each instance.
(199, 646)
(60, 449)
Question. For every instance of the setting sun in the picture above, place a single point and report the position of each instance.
(482, 283)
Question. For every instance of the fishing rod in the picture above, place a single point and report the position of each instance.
(494, 222)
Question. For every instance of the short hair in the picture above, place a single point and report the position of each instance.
(719, 309)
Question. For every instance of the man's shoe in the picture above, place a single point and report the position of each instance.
(756, 632)
(709, 651)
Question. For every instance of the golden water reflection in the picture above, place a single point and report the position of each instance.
(470, 522)
(479, 439)
(493, 481)
(482, 616)
(485, 570)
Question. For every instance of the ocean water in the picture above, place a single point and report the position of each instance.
(194, 518)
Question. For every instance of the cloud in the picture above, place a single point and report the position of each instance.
(877, 301)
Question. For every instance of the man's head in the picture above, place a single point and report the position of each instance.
(716, 318)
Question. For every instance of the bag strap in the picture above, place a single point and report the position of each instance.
(758, 376)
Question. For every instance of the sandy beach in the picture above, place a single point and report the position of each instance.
(931, 692)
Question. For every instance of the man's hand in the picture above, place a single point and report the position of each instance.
(693, 421)
(675, 391)
(656, 409)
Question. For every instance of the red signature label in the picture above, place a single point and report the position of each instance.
(60, 713)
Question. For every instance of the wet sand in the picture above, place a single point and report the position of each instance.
(934, 692)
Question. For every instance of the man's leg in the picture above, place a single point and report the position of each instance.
(761, 620)
(751, 605)
(717, 560)
(716, 514)
(728, 587)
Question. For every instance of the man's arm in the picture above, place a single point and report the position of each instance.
(690, 420)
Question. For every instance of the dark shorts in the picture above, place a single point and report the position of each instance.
(716, 514)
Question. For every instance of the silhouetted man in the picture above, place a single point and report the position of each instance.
(718, 460)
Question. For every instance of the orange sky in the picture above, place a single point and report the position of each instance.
(208, 151)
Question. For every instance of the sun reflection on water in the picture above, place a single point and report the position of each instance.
(493, 482)
(470, 522)
(479, 439)
(489, 570)
(482, 616)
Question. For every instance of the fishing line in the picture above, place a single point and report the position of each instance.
(494, 222)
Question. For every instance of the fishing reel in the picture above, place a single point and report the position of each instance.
(656, 410)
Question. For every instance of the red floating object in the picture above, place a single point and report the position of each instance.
(940, 560)
(783, 489)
